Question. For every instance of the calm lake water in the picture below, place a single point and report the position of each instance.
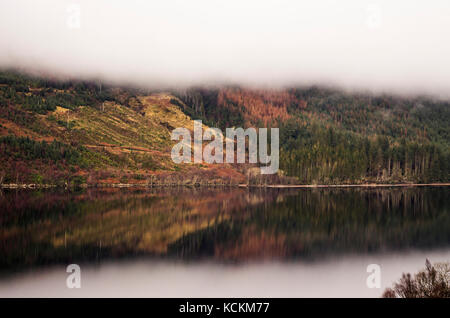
(218, 242)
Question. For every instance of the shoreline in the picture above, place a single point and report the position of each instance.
(275, 186)
(364, 185)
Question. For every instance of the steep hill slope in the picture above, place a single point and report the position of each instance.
(78, 132)
(331, 136)
(75, 133)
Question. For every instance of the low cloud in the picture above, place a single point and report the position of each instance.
(399, 46)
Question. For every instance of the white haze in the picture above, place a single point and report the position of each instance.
(400, 46)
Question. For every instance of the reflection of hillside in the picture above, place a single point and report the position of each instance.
(224, 224)
(116, 222)
(317, 222)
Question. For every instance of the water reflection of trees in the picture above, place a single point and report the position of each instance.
(57, 226)
(226, 224)
(320, 222)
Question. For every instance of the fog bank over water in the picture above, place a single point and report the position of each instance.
(400, 46)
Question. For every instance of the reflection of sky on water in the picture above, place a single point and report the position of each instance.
(336, 277)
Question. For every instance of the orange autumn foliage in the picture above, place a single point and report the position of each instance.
(265, 106)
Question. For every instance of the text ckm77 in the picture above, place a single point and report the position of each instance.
(213, 152)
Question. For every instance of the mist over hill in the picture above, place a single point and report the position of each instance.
(90, 132)
(398, 47)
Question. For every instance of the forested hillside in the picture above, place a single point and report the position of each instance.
(330, 136)
(75, 132)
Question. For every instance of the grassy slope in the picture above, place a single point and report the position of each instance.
(117, 143)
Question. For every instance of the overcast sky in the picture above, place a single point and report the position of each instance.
(401, 46)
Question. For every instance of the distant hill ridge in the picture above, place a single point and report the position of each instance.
(87, 132)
